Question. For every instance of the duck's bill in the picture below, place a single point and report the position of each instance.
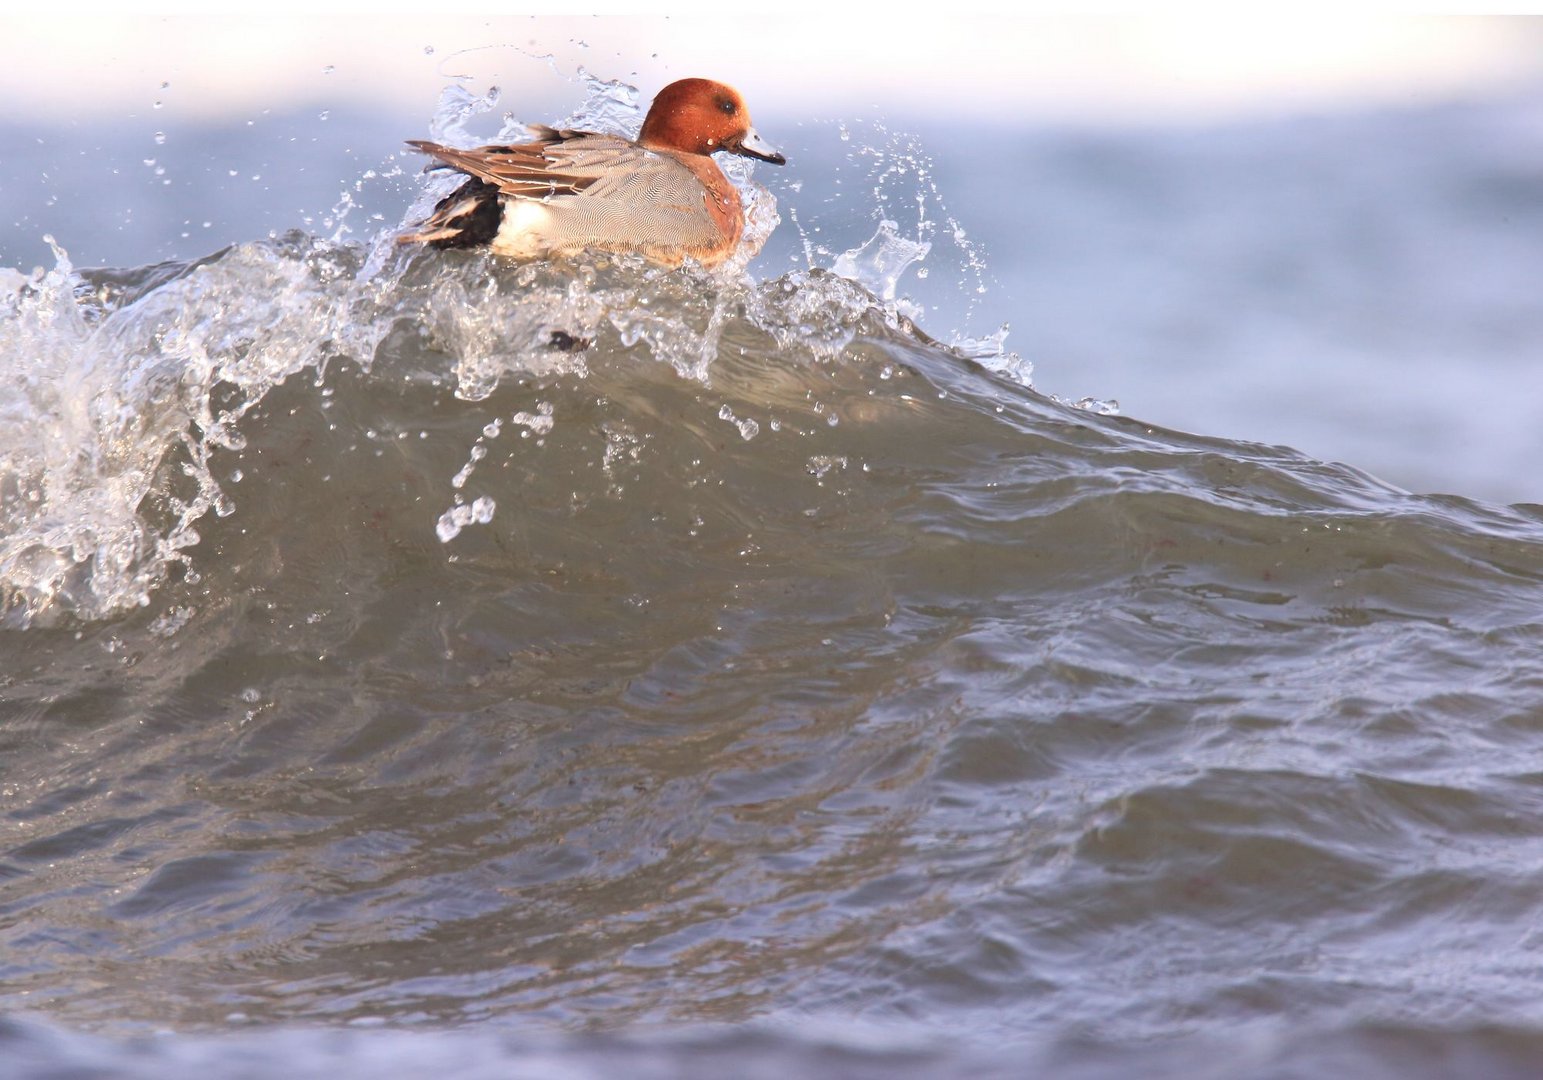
(752, 145)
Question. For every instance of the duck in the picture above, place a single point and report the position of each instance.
(566, 192)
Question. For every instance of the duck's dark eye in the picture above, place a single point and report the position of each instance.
(727, 106)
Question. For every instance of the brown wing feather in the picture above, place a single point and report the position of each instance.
(525, 170)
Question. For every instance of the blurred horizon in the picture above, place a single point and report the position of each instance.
(1027, 68)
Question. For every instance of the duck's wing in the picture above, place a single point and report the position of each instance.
(557, 162)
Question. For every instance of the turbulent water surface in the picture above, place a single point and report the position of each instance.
(576, 668)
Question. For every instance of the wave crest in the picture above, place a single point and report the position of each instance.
(129, 380)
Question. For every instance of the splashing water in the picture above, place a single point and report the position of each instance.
(124, 384)
(127, 381)
(888, 182)
(879, 263)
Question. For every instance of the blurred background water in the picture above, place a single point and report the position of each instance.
(770, 686)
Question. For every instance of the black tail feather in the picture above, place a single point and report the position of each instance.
(468, 217)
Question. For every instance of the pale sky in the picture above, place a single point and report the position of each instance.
(987, 67)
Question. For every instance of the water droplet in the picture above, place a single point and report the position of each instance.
(160, 138)
(428, 50)
(329, 69)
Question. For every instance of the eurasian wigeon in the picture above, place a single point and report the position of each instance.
(568, 191)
